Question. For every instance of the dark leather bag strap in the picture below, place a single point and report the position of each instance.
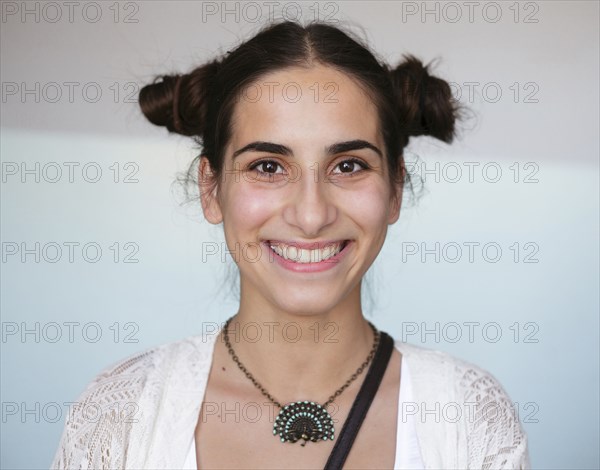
(361, 403)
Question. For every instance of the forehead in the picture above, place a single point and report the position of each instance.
(293, 103)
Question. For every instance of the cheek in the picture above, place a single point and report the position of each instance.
(368, 207)
(247, 207)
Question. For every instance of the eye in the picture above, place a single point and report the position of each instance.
(267, 167)
(351, 165)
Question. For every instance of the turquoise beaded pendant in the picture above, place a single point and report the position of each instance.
(304, 420)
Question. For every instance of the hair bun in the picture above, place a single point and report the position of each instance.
(156, 101)
(180, 102)
(425, 102)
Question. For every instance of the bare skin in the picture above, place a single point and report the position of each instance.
(243, 438)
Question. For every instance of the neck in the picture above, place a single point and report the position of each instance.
(298, 356)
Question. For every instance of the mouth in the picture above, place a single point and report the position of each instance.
(307, 253)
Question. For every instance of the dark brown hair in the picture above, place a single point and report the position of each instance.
(200, 104)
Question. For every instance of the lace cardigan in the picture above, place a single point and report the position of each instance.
(142, 412)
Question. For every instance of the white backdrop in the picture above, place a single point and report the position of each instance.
(82, 171)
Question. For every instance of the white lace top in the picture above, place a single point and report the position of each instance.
(408, 454)
(141, 412)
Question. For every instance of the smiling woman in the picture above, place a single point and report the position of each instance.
(302, 133)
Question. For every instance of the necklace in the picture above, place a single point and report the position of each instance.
(306, 420)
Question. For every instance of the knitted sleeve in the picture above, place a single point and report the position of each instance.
(98, 424)
(495, 437)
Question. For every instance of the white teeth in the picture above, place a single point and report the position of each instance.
(300, 255)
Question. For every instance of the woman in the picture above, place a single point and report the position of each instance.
(302, 134)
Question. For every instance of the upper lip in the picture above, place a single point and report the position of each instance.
(307, 245)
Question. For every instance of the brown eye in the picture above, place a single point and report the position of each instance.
(268, 167)
(352, 165)
(265, 166)
(347, 166)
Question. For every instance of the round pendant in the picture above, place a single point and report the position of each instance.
(305, 420)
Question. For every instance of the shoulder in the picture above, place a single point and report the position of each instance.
(489, 420)
(465, 378)
(133, 371)
(432, 364)
(100, 422)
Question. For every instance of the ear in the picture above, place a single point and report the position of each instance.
(208, 193)
(396, 198)
(396, 203)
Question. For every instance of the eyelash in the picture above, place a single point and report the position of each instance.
(359, 162)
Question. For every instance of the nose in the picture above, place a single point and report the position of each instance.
(311, 207)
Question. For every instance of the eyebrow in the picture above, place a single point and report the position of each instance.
(278, 149)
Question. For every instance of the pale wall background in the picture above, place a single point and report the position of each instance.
(543, 303)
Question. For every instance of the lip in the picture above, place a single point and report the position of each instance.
(328, 264)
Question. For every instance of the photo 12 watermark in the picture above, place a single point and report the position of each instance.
(526, 92)
(289, 332)
(258, 12)
(52, 252)
(28, 172)
(55, 412)
(470, 12)
(491, 412)
(249, 412)
(526, 332)
(65, 12)
(471, 252)
(53, 92)
(69, 332)
(474, 172)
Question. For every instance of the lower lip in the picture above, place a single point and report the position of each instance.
(329, 263)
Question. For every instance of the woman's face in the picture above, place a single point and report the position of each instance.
(304, 197)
